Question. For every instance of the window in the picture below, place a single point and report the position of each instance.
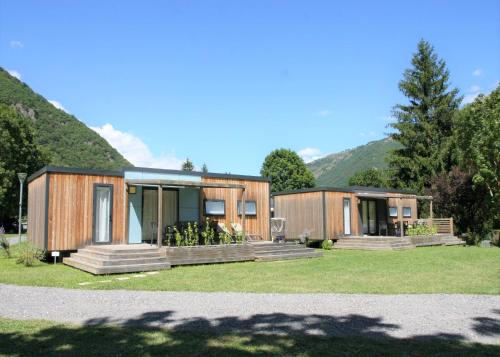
(393, 211)
(215, 208)
(406, 212)
(250, 208)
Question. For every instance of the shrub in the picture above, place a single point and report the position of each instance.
(239, 237)
(29, 255)
(421, 230)
(177, 237)
(327, 244)
(225, 238)
(495, 240)
(208, 233)
(5, 245)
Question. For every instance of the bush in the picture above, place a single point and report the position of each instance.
(5, 246)
(421, 230)
(495, 240)
(29, 255)
(327, 244)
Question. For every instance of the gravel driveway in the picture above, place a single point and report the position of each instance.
(465, 317)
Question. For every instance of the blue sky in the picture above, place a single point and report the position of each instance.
(225, 82)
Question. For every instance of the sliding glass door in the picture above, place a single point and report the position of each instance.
(369, 216)
(103, 213)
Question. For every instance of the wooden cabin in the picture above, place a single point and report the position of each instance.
(330, 213)
(70, 208)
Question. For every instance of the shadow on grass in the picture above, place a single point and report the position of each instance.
(259, 335)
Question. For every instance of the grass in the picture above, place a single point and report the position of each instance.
(469, 270)
(38, 338)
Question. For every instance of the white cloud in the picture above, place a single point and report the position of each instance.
(310, 154)
(477, 72)
(474, 91)
(135, 150)
(58, 105)
(14, 73)
(324, 113)
(474, 88)
(469, 98)
(16, 44)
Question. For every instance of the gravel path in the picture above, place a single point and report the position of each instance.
(464, 317)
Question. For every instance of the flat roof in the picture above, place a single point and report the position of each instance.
(350, 189)
(120, 173)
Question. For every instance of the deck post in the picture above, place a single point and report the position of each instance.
(243, 211)
(160, 216)
(451, 225)
(431, 211)
(400, 213)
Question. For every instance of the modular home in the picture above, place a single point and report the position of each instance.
(330, 213)
(71, 208)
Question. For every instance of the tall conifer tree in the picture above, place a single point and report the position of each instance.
(424, 125)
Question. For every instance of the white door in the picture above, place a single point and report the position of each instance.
(103, 198)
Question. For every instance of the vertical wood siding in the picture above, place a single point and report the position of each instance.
(37, 195)
(335, 214)
(257, 191)
(405, 202)
(303, 213)
(71, 210)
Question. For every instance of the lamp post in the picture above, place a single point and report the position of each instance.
(22, 177)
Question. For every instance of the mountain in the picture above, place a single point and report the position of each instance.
(336, 169)
(69, 142)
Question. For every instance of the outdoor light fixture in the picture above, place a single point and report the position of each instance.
(22, 177)
(131, 189)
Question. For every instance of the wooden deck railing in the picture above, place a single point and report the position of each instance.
(443, 225)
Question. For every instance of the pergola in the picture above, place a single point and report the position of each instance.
(400, 197)
(160, 184)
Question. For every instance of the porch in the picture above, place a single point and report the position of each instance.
(389, 215)
(158, 206)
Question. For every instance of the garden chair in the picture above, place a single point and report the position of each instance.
(221, 227)
(238, 229)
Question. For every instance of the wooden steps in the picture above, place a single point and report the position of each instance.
(452, 240)
(269, 251)
(374, 243)
(113, 259)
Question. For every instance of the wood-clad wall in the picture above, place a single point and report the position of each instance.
(334, 205)
(71, 210)
(303, 213)
(37, 218)
(404, 202)
(257, 191)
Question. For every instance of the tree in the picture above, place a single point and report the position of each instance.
(18, 153)
(455, 196)
(204, 168)
(424, 125)
(372, 178)
(287, 171)
(477, 138)
(187, 165)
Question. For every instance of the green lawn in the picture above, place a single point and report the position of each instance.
(470, 270)
(38, 338)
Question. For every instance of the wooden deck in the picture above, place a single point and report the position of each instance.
(121, 258)
(396, 243)
(373, 243)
